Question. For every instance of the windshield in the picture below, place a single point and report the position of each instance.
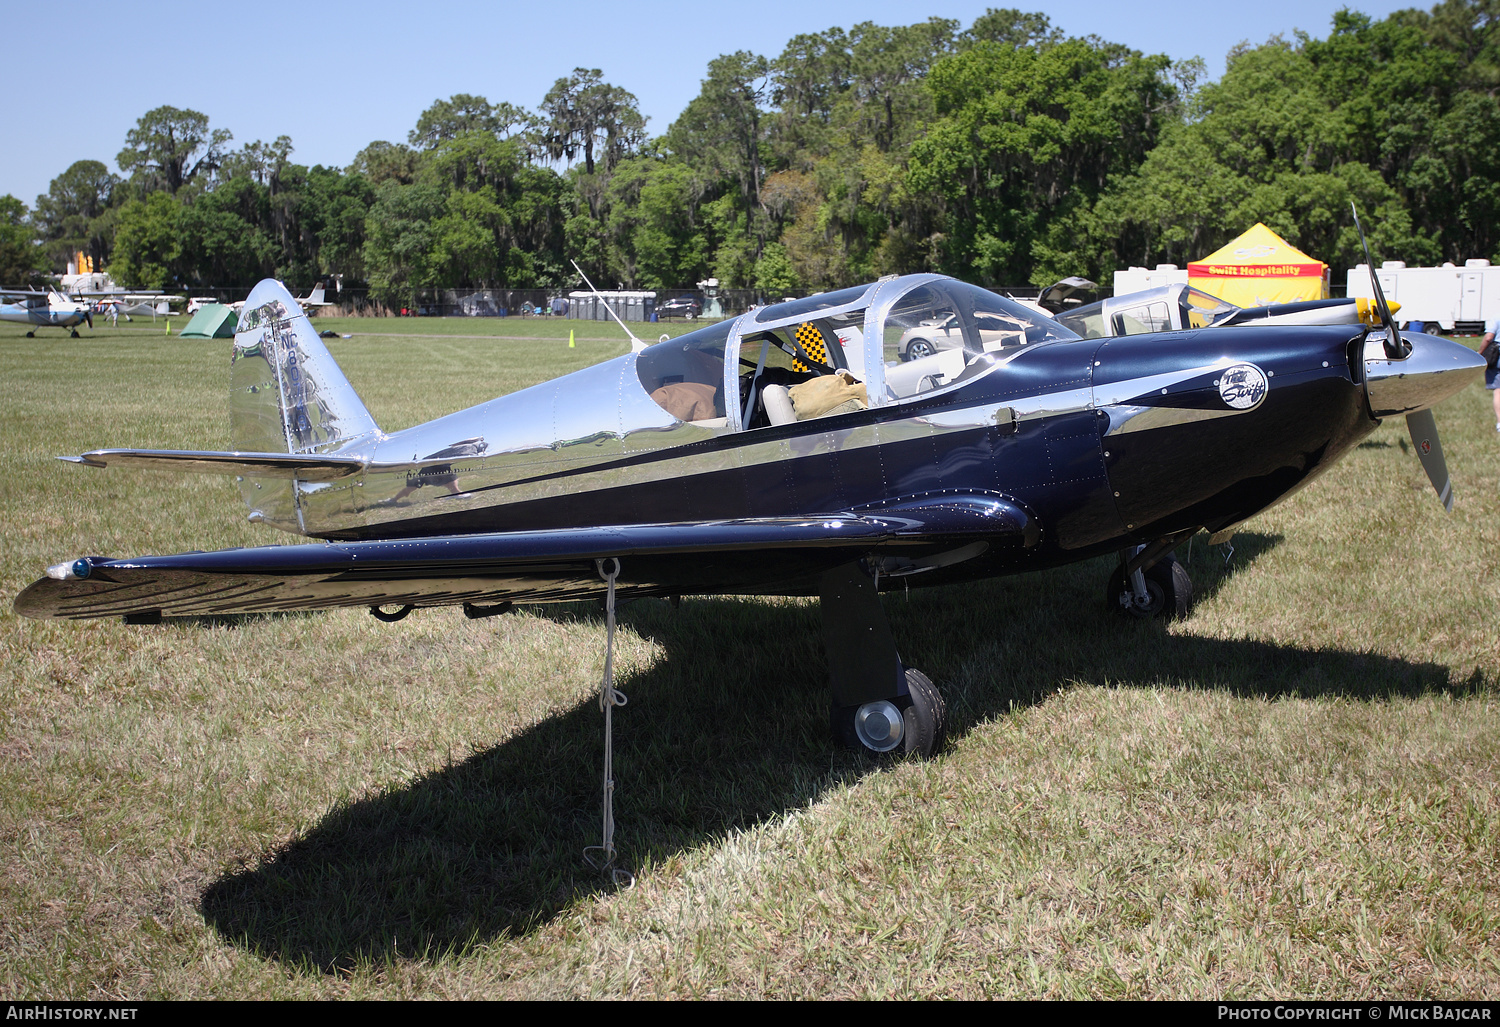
(1199, 309)
(685, 376)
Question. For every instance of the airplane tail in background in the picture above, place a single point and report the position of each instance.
(288, 395)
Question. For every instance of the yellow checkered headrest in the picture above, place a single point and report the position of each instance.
(811, 341)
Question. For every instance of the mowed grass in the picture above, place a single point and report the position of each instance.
(1291, 793)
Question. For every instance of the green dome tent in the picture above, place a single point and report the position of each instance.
(213, 321)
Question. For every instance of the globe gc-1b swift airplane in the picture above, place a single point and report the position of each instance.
(782, 452)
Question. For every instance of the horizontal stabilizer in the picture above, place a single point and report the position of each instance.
(250, 465)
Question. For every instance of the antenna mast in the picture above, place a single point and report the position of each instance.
(636, 345)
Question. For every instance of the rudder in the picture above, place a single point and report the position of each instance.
(287, 394)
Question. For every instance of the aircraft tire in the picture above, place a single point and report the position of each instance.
(924, 716)
(1168, 584)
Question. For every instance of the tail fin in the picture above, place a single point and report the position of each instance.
(287, 395)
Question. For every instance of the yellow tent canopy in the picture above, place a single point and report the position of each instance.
(1260, 267)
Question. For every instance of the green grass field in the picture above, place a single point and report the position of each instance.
(1291, 793)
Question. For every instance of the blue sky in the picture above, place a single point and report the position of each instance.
(334, 75)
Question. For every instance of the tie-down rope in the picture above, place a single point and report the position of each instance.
(602, 857)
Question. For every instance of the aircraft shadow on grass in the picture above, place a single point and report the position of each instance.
(491, 847)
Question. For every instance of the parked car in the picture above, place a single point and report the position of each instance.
(995, 331)
(681, 306)
(1070, 292)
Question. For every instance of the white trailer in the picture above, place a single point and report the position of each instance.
(1139, 279)
(1465, 298)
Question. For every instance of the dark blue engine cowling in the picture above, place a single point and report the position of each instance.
(1179, 455)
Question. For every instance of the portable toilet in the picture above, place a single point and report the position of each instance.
(1466, 299)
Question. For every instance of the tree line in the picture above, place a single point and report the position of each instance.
(1003, 153)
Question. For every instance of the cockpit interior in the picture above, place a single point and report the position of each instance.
(839, 352)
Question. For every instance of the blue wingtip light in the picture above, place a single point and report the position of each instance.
(75, 571)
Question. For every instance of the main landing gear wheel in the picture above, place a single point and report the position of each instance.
(1168, 587)
(914, 724)
(919, 348)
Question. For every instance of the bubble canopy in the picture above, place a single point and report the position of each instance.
(838, 352)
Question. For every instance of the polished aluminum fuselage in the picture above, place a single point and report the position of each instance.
(1104, 442)
(1040, 452)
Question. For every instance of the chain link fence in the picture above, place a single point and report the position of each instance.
(355, 301)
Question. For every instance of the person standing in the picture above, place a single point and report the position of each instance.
(1490, 350)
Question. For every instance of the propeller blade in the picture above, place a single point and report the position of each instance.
(1395, 346)
(1424, 435)
(88, 315)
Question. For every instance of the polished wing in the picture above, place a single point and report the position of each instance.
(748, 556)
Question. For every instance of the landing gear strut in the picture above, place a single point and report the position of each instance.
(1162, 589)
(880, 707)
